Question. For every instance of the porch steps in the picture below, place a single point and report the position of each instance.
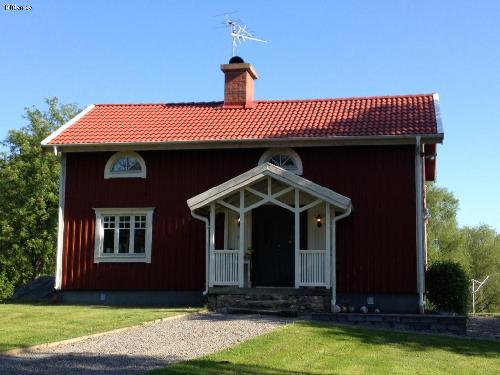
(269, 300)
(282, 313)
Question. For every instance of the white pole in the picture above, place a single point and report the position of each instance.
(473, 298)
(475, 290)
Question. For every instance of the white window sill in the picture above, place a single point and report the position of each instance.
(131, 258)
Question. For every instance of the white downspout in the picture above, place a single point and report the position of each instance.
(207, 257)
(419, 225)
(333, 257)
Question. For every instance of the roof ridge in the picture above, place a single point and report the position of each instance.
(156, 104)
(218, 102)
(347, 98)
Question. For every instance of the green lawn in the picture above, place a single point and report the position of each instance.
(23, 325)
(305, 348)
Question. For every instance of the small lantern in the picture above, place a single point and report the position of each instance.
(319, 223)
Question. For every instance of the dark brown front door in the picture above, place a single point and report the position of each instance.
(273, 261)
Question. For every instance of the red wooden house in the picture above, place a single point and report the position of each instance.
(313, 200)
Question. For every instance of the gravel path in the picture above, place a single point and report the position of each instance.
(138, 350)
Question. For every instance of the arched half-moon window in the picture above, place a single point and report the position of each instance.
(125, 165)
(285, 158)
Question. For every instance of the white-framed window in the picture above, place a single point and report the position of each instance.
(123, 234)
(125, 165)
(285, 158)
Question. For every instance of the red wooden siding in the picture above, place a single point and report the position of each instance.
(375, 245)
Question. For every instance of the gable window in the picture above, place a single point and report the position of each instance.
(123, 235)
(285, 158)
(125, 165)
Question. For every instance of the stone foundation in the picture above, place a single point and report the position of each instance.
(411, 322)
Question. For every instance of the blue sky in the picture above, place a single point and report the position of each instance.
(165, 51)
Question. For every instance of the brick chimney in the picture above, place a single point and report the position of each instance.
(238, 83)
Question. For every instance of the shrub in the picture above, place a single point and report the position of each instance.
(448, 287)
(6, 288)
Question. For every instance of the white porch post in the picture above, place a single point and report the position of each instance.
(333, 264)
(297, 238)
(328, 245)
(241, 256)
(212, 244)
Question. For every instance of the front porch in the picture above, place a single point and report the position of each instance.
(284, 300)
(270, 228)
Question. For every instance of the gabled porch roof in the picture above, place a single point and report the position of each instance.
(253, 175)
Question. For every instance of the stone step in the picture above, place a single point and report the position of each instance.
(283, 313)
(269, 301)
(264, 303)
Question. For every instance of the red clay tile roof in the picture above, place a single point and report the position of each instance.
(324, 118)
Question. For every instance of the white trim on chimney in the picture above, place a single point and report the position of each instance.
(46, 141)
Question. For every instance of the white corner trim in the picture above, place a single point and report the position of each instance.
(419, 223)
(437, 110)
(100, 257)
(46, 141)
(60, 223)
(266, 156)
(129, 174)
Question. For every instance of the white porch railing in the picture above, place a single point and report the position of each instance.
(225, 267)
(313, 267)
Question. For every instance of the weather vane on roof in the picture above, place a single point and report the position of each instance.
(240, 34)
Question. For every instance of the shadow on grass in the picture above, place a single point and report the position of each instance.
(152, 308)
(75, 363)
(212, 367)
(407, 340)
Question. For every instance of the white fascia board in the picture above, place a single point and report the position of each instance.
(437, 110)
(275, 172)
(252, 143)
(46, 141)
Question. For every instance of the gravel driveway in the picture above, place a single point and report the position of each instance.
(138, 350)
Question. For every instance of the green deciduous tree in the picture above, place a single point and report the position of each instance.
(29, 180)
(482, 245)
(475, 249)
(444, 238)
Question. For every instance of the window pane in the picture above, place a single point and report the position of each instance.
(284, 162)
(109, 222)
(124, 234)
(140, 241)
(120, 165)
(133, 164)
(140, 222)
(108, 246)
(123, 243)
(127, 163)
(109, 241)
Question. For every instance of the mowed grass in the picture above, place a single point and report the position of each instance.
(307, 348)
(23, 325)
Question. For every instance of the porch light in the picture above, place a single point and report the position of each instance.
(318, 221)
(238, 221)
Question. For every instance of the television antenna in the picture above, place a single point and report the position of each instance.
(475, 290)
(240, 34)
